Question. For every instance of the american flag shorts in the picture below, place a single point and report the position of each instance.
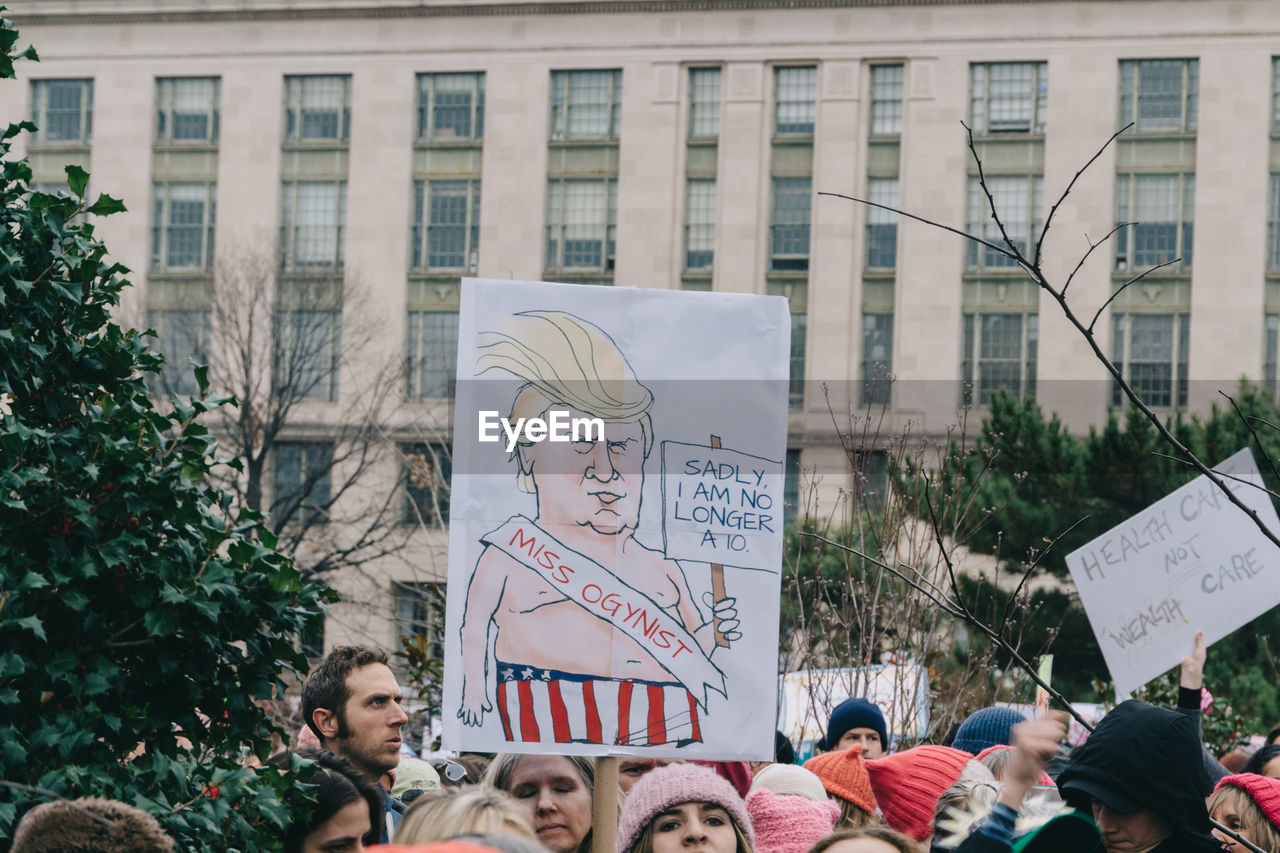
(550, 706)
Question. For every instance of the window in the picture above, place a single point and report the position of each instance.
(586, 104)
(704, 103)
(426, 472)
(317, 109)
(306, 353)
(999, 355)
(795, 100)
(446, 225)
(311, 643)
(183, 336)
(1008, 97)
(1019, 200)
(581, 218)
(450, 107)
(182, 226)
(790, 231)
(1271, 356)
(882, 225)
(312, 224)
(700, 225)
(300, 481)
(1162, 210)
(187, 109)
(877, 358)
(799, 325)
(420, 613)
(1275, 92)
(63, 111)
(1151, 353)
(1273, 225)
(886, 100)
(1159, 95)
(791, 488)
(432, 354)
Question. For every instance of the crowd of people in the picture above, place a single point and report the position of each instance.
(1141, 782)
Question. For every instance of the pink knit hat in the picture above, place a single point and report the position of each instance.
(664, 787)
(908, 784)
(786, 824)
(1264, 791)
(1045, 778)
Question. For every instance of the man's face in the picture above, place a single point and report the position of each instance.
(594, 484)
(869, 738)
(367, 732)
(1130, 833)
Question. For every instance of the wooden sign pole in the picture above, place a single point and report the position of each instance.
(604, 805)
(717, 575)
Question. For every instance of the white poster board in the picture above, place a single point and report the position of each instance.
(1190, 562)
(613, 449)
(809, 695)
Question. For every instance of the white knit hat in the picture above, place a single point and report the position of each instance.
(790, 780)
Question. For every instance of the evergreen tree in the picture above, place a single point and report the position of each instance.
(141, 624)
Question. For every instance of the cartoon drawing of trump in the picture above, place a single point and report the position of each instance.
(572, 629)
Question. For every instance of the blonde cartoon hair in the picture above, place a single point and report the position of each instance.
(566, 361)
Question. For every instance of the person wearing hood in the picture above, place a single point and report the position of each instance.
(1142, 775)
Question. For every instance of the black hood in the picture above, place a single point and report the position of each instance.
(1141, 756)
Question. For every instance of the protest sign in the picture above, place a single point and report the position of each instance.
(1191, 561)
(616, 533)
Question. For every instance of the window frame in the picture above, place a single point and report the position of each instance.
(807, 105)
(973, 391)
(419, 361)
(981, 75)
(302, 509)
(979, 258)
(290, 355)
(878, 218)
(40, 111)
(1125, 260)
(165, 113)
(1131, 99)
(290, 228)
(1273, 225)
(791, 262)
(876, 374)
(705, 112)
(162, 226)
(1178, 363)
(427, 106)
(422, 226)
(562, 105)
(557, 220)
(796, 365)
(175, 377)
(886, 109)
(701, 231)
(294, 103)
(439, 464)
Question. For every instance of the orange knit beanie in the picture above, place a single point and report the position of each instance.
(844, 774)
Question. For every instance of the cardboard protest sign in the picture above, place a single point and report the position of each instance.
(616, 521)
(1191, 561)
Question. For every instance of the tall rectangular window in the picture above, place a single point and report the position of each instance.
(581, 222)
(183, 337)
(62, 111)
(306, 352)
(1159, 95)
(789, 241)
(187, 109)
(426, 472)
(799, 329)
(1271, 355)
(431, 354)
(999, 355)
(700, 224)
(312, 224)
(886, 100)
(1275, 92)
(1273, 224)
(1018, 200)
(450, 107)
(704, 103)
(1008, 97)
(182, 226)
(1162, 208)
(1151, 352)
(877, 358)
(301, 482)
(317, 108)
(791, 487)
(446, 225)
(420, 613)
(882, 225)
(795, 100)
(586, 104)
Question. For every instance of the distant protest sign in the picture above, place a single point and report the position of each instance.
(1190, 562)
(901, 691)
(615, 539)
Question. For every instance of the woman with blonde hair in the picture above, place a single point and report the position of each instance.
(555, 791)
(449, 812)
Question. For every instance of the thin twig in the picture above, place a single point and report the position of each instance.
(1071, 185)
(1121, 289)
(1018, 257)
(1092, 246)
(1252, 432)
(1222, 474)
(1008, 607)
(1001, 249)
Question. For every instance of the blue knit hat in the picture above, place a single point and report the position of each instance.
(855, 713)
(988, 727)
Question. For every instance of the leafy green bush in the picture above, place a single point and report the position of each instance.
(141, 625)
